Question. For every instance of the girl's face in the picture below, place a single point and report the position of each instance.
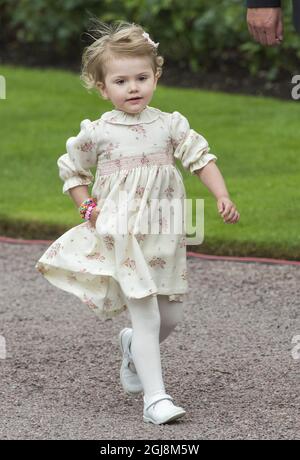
(129, 83)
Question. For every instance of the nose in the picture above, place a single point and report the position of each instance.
(132, 87)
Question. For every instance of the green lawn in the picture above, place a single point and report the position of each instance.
(257, 141)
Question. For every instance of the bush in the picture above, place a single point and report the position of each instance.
(199, 34)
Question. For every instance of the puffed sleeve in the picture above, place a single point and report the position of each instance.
(189, 147)
(81, 155)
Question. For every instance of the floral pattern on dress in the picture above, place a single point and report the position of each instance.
(157, 262)
(130, 263)
(139, 191)
(164, 224)
(181, 136)
(184, 275)
(42, 268)
(140, 237)
(96, 256)
(144, 160)
(169, 144)
(109, 242)
(107, 153)
(138, 129)
(169, 192)
(89, 302)
(87, 146)
(53, 251)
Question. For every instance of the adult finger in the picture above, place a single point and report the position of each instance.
(255, 33)
(271, 36)
(279, 29)
(262, 36)
(251, 30)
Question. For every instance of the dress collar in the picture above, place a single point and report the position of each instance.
(147, 115)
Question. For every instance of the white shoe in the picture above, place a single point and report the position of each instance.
(157, 412)
(129, 378)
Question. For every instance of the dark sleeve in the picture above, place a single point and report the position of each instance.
(263, 3)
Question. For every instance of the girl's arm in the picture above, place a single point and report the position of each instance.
(79, 194)
(212, 178)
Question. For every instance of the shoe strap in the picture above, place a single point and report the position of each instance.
(127, 352)
(157, 398)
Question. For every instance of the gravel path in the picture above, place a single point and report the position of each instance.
(229, 363)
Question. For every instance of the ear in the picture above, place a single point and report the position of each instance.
(156, 77)
(101, 88)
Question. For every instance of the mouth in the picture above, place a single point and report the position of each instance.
(134, 99)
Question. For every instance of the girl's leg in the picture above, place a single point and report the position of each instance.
(145, 349)
(171, 313)
(153, 319)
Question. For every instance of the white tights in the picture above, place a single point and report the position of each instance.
(153, 319)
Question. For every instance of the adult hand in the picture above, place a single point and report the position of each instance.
(265, 25)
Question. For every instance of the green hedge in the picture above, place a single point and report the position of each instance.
(198, 33)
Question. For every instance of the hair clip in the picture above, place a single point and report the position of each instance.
(146, 35)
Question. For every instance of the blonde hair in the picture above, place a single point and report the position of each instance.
(118, 39)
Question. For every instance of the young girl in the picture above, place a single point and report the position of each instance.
(134, 147)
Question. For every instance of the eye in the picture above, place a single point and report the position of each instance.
(120, 82)
(144, 77)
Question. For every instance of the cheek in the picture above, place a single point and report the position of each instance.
(150, 87)
(119, 94)
(113, 92)
(118, 90)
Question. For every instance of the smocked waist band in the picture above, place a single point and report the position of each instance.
(112, 166)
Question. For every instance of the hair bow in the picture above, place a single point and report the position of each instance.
(146, 35)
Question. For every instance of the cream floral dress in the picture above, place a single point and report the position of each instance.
(134, 157)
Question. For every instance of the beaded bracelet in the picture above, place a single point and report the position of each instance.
(84, 207)
(84, 210)
(89, 211)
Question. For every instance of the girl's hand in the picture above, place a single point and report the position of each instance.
(227, 210)
(94, 215)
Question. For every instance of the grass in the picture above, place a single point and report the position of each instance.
(256, 141)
